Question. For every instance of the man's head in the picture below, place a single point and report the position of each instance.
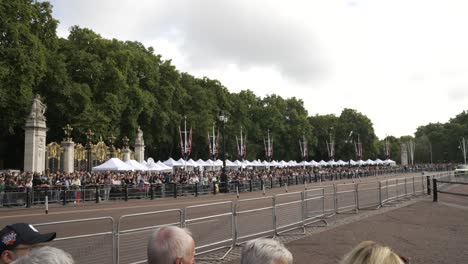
(49, 255)
(18, 240)
(171, 245)
(267, 251)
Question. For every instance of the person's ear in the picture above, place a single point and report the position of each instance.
(7, 257)
(178, 261)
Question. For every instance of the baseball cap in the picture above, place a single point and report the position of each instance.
(21, 233)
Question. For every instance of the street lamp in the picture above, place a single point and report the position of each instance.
(331, 145)
(224, 180)
(89, 147)
(463, 148)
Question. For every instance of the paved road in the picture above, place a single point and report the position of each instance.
(208, 223)
(426, 232)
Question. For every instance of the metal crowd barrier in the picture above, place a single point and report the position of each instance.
(346, 197)
(212, 226)
(368, 195)
(314, 206)
(20, 197)
(329, 200)
(223, 225)
(93, 244)
(418, 185)
(246, 214)
(203, 189)
(15, 197)
(132, 239)
(436, 183)
(288, 208)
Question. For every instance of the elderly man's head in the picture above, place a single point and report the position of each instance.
(49, 255)
(171, 245)
(265, 251)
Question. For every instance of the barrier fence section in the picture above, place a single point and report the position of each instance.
(252, 216)
(444, 177)
(440, 185)
(288, 208)
(314, 206)
(390, 188)
(15, 197)
(94, 242)
(134, 230)
(329, 200)
(212, 226)
(221, 225)
(91, 193)
(418, 185)
(368, 195)
(346, 197)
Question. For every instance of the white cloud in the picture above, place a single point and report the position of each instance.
(403, 63)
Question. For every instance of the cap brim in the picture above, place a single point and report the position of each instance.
(42, 238)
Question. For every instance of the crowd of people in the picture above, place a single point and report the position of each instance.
(21, 243)
(21, 181)
(182, 176)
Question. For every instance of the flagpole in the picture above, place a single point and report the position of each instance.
(213, 145)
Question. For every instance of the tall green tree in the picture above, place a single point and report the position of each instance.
(25, 31)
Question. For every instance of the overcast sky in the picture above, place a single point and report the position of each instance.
(402, 63)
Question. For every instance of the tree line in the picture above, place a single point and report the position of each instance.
(112, 87)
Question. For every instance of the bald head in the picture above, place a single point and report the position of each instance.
(171, 244)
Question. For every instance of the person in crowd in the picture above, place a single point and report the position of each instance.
(46, 255)
(2, 190)
(107, 186)
(171, 245)
(76, 185)
(267, 251)
(370, 252)
(19, 239)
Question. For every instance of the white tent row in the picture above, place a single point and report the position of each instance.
(115, 164)
(258, 163)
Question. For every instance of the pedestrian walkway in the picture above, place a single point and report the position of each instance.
(424, 231)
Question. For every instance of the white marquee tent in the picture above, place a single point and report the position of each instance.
(113, 164)
(172, 163)
(136, 165)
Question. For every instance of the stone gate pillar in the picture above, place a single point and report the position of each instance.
(35, 138)
(139, 146)
(126, 151)
(404, 155)
(68, 151)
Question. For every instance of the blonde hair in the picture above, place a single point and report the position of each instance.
(370, 252)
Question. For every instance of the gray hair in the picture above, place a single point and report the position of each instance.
(49, 255)
(265, 251)
(168, 243)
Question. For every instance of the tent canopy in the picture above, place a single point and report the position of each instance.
(113, 164)
(136, 165)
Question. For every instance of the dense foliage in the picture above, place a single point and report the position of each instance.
(114, 86)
